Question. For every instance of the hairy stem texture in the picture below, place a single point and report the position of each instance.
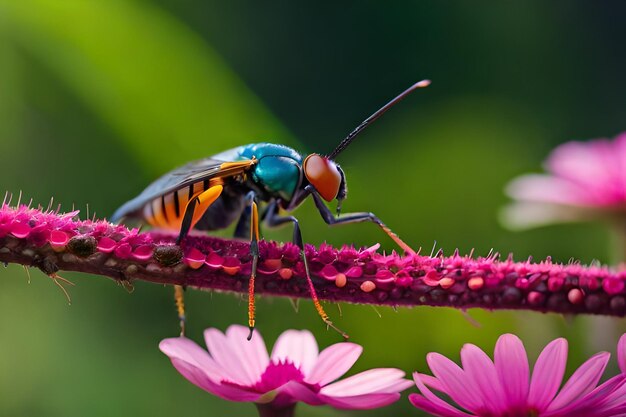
(51, 242)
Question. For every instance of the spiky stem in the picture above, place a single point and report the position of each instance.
(53, 242)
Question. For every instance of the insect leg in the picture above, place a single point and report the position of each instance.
(254, 252)
(248, 224)
(179, 297)
(186, 224)
(242, 230)
(274, 219)
(331, 220)
(193, 212)
(196, 207)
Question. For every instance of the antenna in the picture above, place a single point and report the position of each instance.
(344, 143)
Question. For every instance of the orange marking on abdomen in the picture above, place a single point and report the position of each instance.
(198, 187)
(147, 214)
(159, 213)
(156, 214)
(174, 220)
(162, 211)
(183, 199)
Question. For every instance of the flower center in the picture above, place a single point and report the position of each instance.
(277, 374)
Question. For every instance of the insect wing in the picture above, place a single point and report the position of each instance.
(181, 177)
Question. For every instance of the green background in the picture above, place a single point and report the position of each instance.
(97, 98)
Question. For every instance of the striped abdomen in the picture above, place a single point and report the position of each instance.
(168, 210)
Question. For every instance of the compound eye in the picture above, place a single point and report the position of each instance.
(323, 174)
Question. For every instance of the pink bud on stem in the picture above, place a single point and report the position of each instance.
(51, 242)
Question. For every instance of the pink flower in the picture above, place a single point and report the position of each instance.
(584, 179)
(238, 370)
(505, 387)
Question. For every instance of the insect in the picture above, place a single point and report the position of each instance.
(214, 192)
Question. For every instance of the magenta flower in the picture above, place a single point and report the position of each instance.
(238, 370)
(504, 387)
(584, 179)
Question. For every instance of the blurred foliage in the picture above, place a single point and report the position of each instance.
(98, 98)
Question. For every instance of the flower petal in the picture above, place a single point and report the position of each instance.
(620, 155)
(298, 347)
(548, 189)
(197, 377)
(615, 397)
(432, 382)
(252, 354)
(226, 353)
(582, 381)
(594, 403)
(433, 399)
(434, 409)
(591, 164)
(547, 374)
(299, 392)
(525, 214)
(333, 362)
(481, 370)
(380, 380)
(195, 364)
(621, 353)
(183, 349)
(361, 402)
(455, 382)
(193, 374)
(512, 366)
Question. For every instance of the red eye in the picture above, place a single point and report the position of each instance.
(323, 174)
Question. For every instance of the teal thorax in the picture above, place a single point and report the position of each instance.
(279, 168)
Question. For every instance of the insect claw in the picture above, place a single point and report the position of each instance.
(56, 278)
(343, 334)
(251, 332)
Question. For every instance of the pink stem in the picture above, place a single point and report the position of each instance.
(52, 242)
